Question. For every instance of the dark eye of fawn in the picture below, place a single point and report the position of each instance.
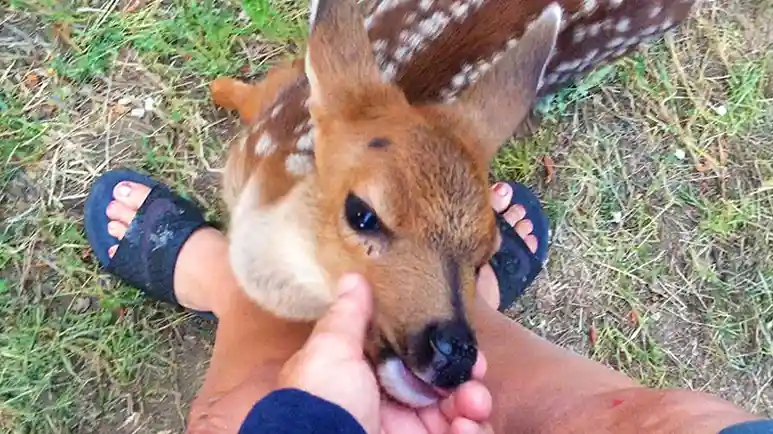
(360, 216)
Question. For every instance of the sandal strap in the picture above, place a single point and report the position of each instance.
(147, 255)
(515, 267)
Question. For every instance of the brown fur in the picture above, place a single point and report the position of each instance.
(427, 179)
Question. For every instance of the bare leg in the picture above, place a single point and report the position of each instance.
(537, 387)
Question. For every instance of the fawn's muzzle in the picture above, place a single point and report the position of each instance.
(453, 354)
(439, 359)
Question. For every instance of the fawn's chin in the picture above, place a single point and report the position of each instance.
(406, 386)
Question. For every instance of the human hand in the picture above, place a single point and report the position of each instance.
(335, 349)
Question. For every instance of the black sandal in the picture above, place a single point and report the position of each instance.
(514, 265)
(147, 255)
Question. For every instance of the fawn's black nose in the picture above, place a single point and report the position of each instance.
(454, 353)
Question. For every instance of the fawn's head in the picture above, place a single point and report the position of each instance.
(403, 192)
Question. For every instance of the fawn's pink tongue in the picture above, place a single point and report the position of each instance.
(404, 386)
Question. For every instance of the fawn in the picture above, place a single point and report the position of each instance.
(371, 153)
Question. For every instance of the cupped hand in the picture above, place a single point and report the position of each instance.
(334, 351)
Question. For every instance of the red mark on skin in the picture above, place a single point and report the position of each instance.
(616, 402)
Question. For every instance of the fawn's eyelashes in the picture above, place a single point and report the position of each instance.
(361, 217)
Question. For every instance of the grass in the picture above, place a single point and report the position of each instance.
(661, 202)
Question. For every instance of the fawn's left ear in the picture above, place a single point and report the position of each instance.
(501, 99)
(339, 57)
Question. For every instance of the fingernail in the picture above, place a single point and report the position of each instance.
(501, 189)
(123, 190)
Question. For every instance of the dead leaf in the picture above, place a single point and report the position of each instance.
(81, 304)
(132, 6)
(703, 166)
(62, 32)
(46, 110)
(634, 317)
(550, 168)
(593, 335)
(31, 80)
(118, 109)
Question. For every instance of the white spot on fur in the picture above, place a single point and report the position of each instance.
(615, 42)
(426, 5)
(460, 10)
(511, 43)
(299, 164)
(568, 66)
(655, 10)
(484, 67)
(380, 45)
(389, 71)
(666, 24)
(459, 80)
(632, 41)
(651, 30)
(594, 29)
(615, 3)
(579, 34)
(433, 26)
(379, 57)
(265, 145)
(402, 53)
(277, 109)
(410, 18)
(623, 25)
(305, 142)
(589, 6)
(591, 56)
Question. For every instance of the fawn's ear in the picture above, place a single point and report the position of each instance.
(502, 98)
(339, 57)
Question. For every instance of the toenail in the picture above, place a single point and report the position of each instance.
(501, 189)
(123, 190)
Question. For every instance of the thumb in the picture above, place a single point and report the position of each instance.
(350, 313)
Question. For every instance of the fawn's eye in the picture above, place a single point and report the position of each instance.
(360, 216)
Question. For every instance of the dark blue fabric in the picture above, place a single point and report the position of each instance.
(293, 411)
(753, 427)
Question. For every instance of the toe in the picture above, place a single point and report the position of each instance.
(120, 212)
(515, 214)
(524, 228)
(531, 242)
(116, 229)
(501, 193)
(131, 194)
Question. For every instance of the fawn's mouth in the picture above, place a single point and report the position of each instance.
(411, 388)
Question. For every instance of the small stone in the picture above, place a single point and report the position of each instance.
(137, 112)
(81, 304)
(680, 154)
(125, 100)
(720, 110)
(149, 104)
(617, 217)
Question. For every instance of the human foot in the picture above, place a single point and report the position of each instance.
(515, 214)
(152, 239)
